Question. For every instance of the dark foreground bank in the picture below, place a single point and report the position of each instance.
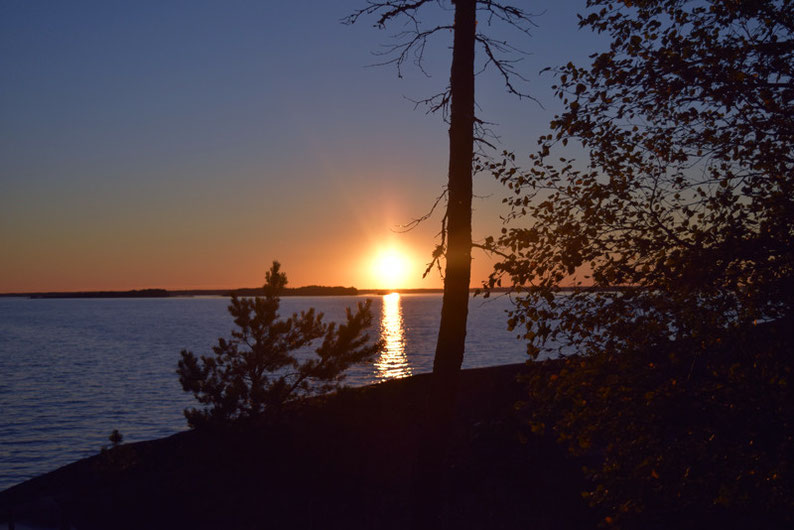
(345, 461)
(351, 460)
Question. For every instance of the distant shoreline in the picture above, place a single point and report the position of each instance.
(309, 290)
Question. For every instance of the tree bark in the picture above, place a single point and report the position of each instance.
(455, 306)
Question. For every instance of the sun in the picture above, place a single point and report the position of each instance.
(391, 269)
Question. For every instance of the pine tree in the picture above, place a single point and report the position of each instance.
(256, 372)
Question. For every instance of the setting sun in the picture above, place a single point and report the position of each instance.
(392, 269)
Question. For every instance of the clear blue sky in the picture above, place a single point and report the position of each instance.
(186, 144)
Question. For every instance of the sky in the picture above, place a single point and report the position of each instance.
(188, 144)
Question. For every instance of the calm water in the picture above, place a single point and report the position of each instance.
(71, 371)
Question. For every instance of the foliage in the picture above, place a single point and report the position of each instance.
(255, 371)
(679, 433)
(689, 189)
(681, 218)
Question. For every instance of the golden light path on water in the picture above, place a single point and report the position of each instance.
(392, 363)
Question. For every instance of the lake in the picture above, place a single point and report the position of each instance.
(72, 370)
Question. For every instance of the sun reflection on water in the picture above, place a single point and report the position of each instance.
(392, 363)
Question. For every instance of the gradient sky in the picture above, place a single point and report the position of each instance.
(187, 144)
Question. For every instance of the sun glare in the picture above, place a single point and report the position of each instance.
(391, 269)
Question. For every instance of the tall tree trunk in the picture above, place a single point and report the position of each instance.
(440, 408)
(455, 306)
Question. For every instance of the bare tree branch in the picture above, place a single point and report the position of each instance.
(388, 11)
(415, 222)
(435, 103)
(493, 51)
(514, 16)
(410, 43)
(483, 131)
(439, 251)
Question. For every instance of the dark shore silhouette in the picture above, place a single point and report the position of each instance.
(341, 461)
(135, 293)
(347, 460)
